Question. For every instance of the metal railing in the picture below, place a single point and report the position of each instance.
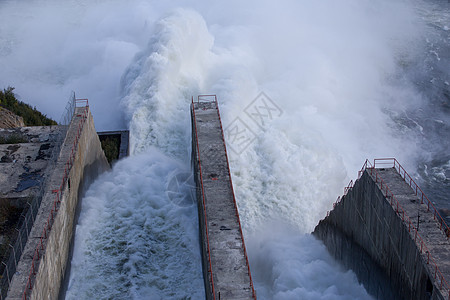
(207, 98)
(40, 248)
(371, 169)
(69, 110)
(338, 200)
(393, 163)
(12, 257)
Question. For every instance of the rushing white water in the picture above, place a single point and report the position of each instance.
(333, 70)
(134, 240)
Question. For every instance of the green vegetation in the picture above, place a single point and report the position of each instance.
(110, 145)
(13, 139)
(31, 116)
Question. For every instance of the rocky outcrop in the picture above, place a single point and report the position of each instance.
(10, 120)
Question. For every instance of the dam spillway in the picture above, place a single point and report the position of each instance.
(226, 269)
(372, 217)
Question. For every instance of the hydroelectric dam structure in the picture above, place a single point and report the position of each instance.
(384, 227)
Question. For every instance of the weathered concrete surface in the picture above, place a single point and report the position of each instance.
(423, 219)
(23, 166)
(368, 236)
(24, 169)
(89, 161)
(230, 271)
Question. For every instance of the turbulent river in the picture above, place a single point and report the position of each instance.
(348, 80)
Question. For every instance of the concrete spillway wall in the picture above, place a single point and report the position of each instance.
(43, 263)
(372, 238)
(226, 269)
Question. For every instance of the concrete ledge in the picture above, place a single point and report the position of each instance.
(225, 267)
(366, 234)
(88, 162)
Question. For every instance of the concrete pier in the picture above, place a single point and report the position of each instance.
(225, 265)
(387, 231)
(42, 265)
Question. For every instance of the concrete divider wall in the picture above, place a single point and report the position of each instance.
(201, 213)
(225, 265)
(366, 235)
(89, 161)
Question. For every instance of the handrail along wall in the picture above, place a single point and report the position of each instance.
(423, 198)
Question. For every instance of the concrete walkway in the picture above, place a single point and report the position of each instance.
(230, 273)
(428, 228)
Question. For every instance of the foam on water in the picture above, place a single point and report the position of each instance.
(286, 265)
(159, 254)
(135, 240)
